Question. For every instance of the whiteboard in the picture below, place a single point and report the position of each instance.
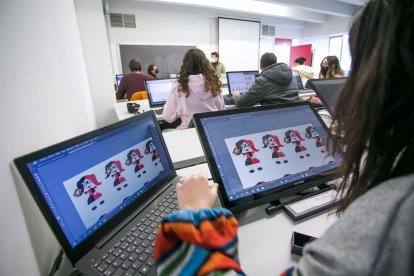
(239, 44)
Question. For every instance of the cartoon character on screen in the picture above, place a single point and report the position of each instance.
(133, 157)
(151, 149)
(247, 148)
(311, 133)
(87, 186)
(293, 136)
(272, 141)
(114, 169)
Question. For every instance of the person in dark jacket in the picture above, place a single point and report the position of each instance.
(274, 85)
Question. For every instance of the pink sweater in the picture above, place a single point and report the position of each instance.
(198, 101)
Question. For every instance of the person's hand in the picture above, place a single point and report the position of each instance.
(235, 93)
(195, 193)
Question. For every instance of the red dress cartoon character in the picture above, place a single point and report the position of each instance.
(151, 149)
(312, 133)
(272, 141)
(87, 186)
(247, 148)
(133, 157)
(114, 169)
(293, 136)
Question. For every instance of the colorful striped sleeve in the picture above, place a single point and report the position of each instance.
(198, 242)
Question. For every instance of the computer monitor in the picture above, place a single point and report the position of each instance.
(298, 79)
(260, 154)
(241, 80)
(158, 91)
(118, 79)
(328, 90)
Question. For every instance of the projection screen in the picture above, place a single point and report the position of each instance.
(239, 44)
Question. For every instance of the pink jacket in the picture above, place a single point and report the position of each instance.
(198, 101)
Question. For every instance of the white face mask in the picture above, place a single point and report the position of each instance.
(213, 60)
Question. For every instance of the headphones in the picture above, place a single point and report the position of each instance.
(133, 108)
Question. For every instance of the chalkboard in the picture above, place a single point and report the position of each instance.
(167, 58)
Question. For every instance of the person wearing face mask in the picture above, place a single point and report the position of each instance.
(330, 68)
(217, 65)
(153, 71)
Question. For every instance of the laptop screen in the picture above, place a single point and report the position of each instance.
(254, 153)
(298, 80)
(90, 179)
(241, 80)
(328, 90)
(118, 79)
(159, 90)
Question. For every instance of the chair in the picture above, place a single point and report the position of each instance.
(140, 95)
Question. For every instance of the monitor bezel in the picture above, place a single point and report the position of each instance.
(116, 79)
(230, 72)
(74, 254)
(151, 103)
(318, 93)
(267, 196)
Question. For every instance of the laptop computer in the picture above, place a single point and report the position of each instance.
(241, 80)
(158, 91)
(328, 90)
(118, 79)
(299, 83)
(261, 154)
(103, 194)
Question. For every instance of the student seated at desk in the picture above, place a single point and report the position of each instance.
(133, 82)
(197, 90)
(374, 129)
(274, 85)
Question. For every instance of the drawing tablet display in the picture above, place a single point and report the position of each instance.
(261, 154)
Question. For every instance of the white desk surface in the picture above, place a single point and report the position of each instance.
(264, 241)
(122, 111)
(184, 147)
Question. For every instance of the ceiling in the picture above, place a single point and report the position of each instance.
(289, 12)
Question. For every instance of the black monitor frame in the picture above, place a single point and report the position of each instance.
(314, 84)
(74, 254)
(151, 103)
(267, 196)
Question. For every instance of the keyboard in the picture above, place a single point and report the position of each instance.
(159, 111)
(133, 253)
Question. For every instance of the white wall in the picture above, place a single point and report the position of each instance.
(163, 28)
(97, 59)
(334, 26)
(45, 99)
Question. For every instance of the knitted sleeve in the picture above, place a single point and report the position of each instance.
(198, 242)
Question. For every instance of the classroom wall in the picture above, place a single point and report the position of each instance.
(162, 28)
(98, 62)
(334, 26)
(45, 99)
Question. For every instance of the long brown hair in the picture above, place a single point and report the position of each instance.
(195, 62)
(374, 119)
(334, 68)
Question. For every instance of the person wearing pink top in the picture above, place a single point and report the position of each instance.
(197, 90)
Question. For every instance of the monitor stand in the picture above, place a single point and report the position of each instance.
(277, 205)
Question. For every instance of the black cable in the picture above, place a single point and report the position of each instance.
(57, 263)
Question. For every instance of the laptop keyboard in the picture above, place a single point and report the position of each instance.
(133, 253)
(159, 111)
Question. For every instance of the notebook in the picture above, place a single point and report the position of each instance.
(102, 194)
(158, 91)
(299, 84)
(261, 154)
(241, 80)
(327, 90)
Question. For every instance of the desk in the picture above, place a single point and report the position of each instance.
(264, 242)
(184, 147)
(122, 111)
